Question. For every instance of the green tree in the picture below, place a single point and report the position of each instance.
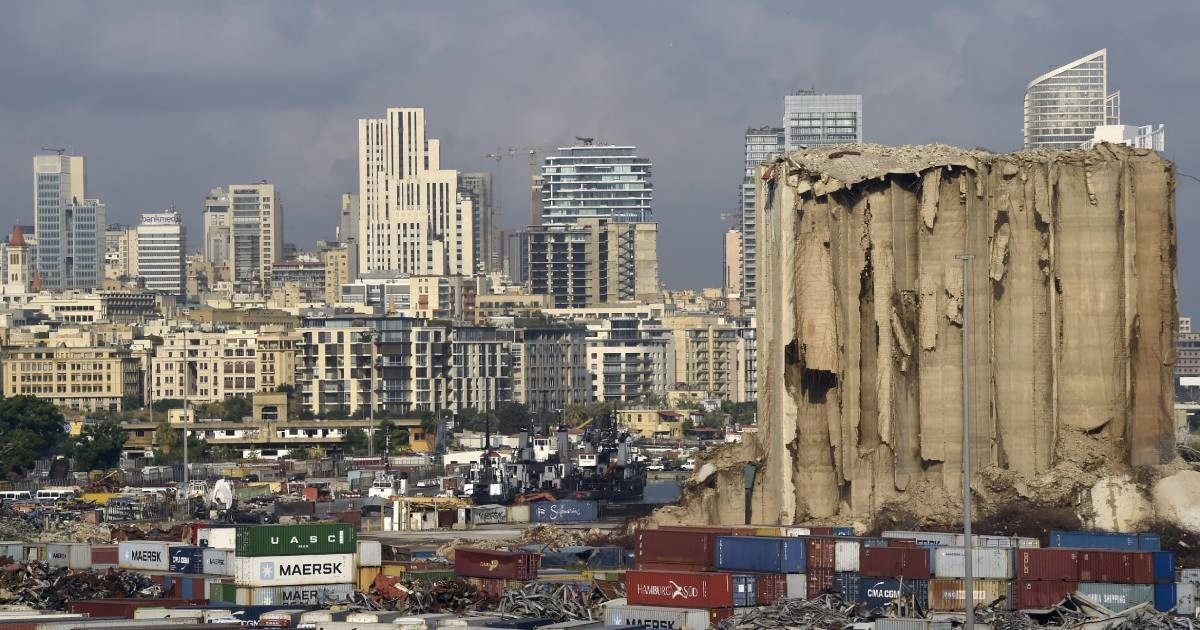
(30, 428)
(511, 417)
(386, 432)
(168, 446)
(98, 446)
(355, 442)
(166, 404)
(236, 408)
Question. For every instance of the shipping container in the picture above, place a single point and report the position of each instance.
(578, 624)
(765, 555)
(847, 584)
(901, 623)
(311, 618)
(1094, 540)
(1048, 564)
(145, 555)
(846, 554)
(820, 581)
(186, 559)
(307, 595)
(294, 570)
(490, 563)
(1149, 542)
(987, 563)
(370, 553)
(518, 513)
(797, 586)
(346, 625)
(672, 566)
(878, 592)
(123, 606)
(217, 537)
(1111, 566)
(217, 561)
(770, 587)
(1117, 597)
(70, 555)
(685, 590)
(745, 590)
(293, 540)
(1043, 594)
(1185, 598)
(951, 596)
(1164, 567)
(284, 618)
(489, 515)
(665, 618)
(682, 547)
(1191, 576)
(104, 556)
(1165, 597)
(907, 562)
(194, 614)
(874, 542)
(564, 511)
(820, 553)
(935, 538)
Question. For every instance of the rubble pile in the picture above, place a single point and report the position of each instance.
(456, 595)
(43, 587)
(826, 612)
(560, 602)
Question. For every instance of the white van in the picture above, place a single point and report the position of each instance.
(54, 494)
(8, 496)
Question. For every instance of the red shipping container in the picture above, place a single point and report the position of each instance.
(770, 587)
(819, 581)
(124, 606)
(104, 554)
(672, 566)
(1043, 594)
(1106, 566)
(821, 553)
(1142, 563)
(819, 530)
(682, 546)
(901, 542)
(679, 590)
(907, 562)
(492, 587)
(1048, 564)
(490, 563)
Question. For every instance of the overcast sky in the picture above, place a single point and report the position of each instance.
(168, 99)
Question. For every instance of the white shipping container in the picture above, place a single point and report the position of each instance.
(145, 555)
(217, 562)
(795, 532)
(346, 625)
(845, 555)
(1185, 598)
(936, 538)
(518, 513)
(659, 617)
(217, 537)
(309, 595)
(13, 549)
(295, 570)
(797, 586)
(1191, 576)
(370, 553)
(70, 555)
(988, 563)
(194, 614)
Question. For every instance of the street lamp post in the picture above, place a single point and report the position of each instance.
(968, 547)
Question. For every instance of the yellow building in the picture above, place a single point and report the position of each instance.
(92, 378)
(652, 423)
(222, 364)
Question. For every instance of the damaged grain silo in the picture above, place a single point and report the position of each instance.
(1072, 305)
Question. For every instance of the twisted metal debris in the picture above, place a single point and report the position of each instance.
(43, 587)
(827, 612)
(560, 602)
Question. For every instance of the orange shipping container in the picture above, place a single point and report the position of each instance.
(950, 595)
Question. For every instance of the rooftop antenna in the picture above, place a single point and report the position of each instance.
(58, 151)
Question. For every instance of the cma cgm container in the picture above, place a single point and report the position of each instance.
(951, 596)
(1117, 597)
(1094, 540)
(144, 555)
(665, 618)
(565, 511)
(907, 562)
(187, 559)
(876, 592)
(491, 563)
(1043, 594)
(989, 563)
(683, 590)
(766, 555)
(1048, 564)
(294, 570)
(294, 540)
(694, 547)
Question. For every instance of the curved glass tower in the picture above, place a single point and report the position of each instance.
(1064, 106)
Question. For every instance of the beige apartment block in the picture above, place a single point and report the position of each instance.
(211, 366)
(89, 378)
(652, 423)
(594, 261)
(244, 232)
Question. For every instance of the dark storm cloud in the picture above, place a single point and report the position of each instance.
(168, 99)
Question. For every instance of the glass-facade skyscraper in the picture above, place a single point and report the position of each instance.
(811, 119)
(762, 144)
(69, 226)
(596, 181)
(1064, 106)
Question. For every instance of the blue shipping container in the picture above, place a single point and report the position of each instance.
(848, 585)
(187, 559)
(1094, 540)
(1164, 567)
(607, 558)
(874, 542)
(843, 531)
(764, 555)
(745, 590)
(565, 511)
(876, 592)
(1149, 542)
(1164, 597)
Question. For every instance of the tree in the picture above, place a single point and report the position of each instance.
(98, 446)
(236, 408)
(355, 442)
(166, 404)
(511, 417)
(387, 433)
(30, 428)
(168, 446)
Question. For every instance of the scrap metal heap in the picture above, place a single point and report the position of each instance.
(43, 587)
(1071, 307)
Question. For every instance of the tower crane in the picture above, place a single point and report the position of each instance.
(58, 151)
(534, 178)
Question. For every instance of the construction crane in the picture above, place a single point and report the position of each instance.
(58, 151)
(534, 178)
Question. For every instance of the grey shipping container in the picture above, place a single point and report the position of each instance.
(1185, 598)
(1117, 597)
(70, 555)
(1191, 576)
(311, 595)
(370, 553)
(745, 592)
(295, 540)
(987, 563)
(797, 586)
(664, 618)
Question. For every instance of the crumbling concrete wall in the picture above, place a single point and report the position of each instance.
(1071, 302)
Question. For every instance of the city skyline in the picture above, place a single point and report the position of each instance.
(939, 79)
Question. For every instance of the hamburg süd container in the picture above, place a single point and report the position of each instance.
(295, 540)
(677, 589)
(1048, 564)
(144, 555)
(564, 511)
(294, 570)
(667, 618)
(217, 561)
(951, 595)
(1094, 540)
(745, 590)
(765, 555)
(491, 563)
(1117, 597)
(70, 555)
(681, 547)
(876, 592)
(1042, 594)
(907, 562)
(989, 563)
(187, 559)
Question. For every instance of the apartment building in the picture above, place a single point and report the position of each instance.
(80, 378)
(594, 261)
(211, 366)
(549, 366)
(244, 233)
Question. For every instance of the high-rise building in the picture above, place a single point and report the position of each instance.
(1064, 106)
(412, 218)
(516, 255)
(347, 229)
(596, 181)
(811, 119)
(762, 144)
(732, 263)
(243, 233)
(594, 261)
(162, 252)
(120, 252)
(478, 186)
(69, 226)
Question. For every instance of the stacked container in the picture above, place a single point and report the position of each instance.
(271, 560)
(1121, 570)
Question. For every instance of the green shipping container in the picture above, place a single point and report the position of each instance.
(222, 592)
(295, 540)
(428, 575)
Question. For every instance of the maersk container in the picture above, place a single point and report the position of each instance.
(1117, 597)
(846, 555)
(765, 555)
(294, 570)
(295, 540)
(564, 511)
(187, 559)
(745, 590)
(1185, 598)
(665, 618)
(951, 595)
(876, 592)
(217, 561)
(986, 563)
(145, 555)
(70, 555)
(1094, 540)
(676, 588)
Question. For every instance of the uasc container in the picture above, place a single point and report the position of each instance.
(291, 540)
(1043, 594)
(767, 555)
(994, 563)
(1048, 564)
(951, 595)
(664, 618)
(1117, 597)
(683, 590)
(491, 563)
(294, 570)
